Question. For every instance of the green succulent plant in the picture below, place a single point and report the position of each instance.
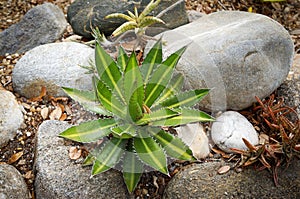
(136, 21)
(141, 101)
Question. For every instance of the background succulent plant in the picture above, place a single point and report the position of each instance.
(141, 101)
(136, 21)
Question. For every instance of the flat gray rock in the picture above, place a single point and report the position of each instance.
(53, 66)
(230, 128)
(83, 14)
(40, 25)
(203, 181)
(12, 184)
(238, 54)
(11, 116)
(58, 177)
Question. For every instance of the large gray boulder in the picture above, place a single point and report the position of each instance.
(40, 25)
(238, 54)
(58, 177)
(11, 116)
(83, 14)
(203, 181)
(53, 66)
(12, 184)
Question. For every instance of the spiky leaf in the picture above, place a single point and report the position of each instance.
(125, 27)
(173, 146)
(186, 116)
(87, 99)
(131, 15)
(89, 131)
(108, 100)
(133, 80)
(133, 88)
(174, 87)
(161, 114)
(149, 20)
(119, 15)
(161, 77)
(108, 71)
(124, 131)
(150, 6)
(135, 108)
(185, 99)
(151, 153)
(122, 59)
(132, 168)
(152, 59)
(109, 155)
(89, 160)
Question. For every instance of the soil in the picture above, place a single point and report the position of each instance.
(19, 152)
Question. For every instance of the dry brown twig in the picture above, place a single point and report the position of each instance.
(283, 136)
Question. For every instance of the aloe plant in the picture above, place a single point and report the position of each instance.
(136, 21)
(141, 102)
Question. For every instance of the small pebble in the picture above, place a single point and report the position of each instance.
(224, 169)
(145, 191)
(32, 109)
(27, 106)
(28, 134)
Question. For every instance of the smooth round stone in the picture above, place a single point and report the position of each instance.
(229, 129)
(238, 55)
(11, 116)
(53, 66)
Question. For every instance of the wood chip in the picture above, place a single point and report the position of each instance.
(45, 113)
(74, 153)
(63, 117)
(40, 97)
(56, 113)
(15, 157)
(263, 138)
(27, 106)
(28, 175)
(68, 110)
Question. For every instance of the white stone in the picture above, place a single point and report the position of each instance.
(194, 136)
(229, 129)
(53, 66)
(11, 116)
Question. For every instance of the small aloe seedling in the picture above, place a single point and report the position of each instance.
(141, 101)
(135, 21)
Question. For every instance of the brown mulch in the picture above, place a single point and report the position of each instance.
(152, 184)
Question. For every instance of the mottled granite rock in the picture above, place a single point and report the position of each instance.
(203, 181)
(12, 184)
(58, 177)
(41, 25)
